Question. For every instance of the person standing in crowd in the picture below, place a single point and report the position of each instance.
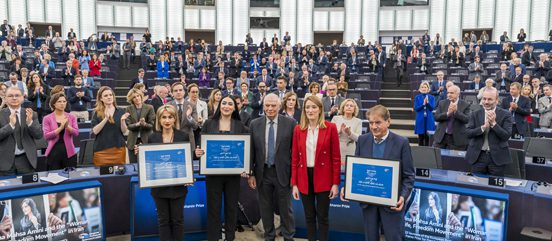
(438, 86)
(169, 201)
(244, 116)
(332, 101)
(139, 79)
(226, 120)
(399, 63)
(424, 104)
(109, 127)
(140, 121)
(271, 151)
(19, 129)
(95, 66)
(162, 67)
(213, 101)
(59, 130)
(38, 96)
(520, 108)
(17, 83)
(384, 144)
(187, 114)
(452, 116)
(161, 93)
(290, 107)
(349, 127)
(315, 172)
(545, 107)
(488, 131)
(79, 97)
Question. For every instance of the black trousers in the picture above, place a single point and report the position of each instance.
(486, 166)
(400, 72)
(267, 201)
(448, 143)
(316, 207)
(170, 218)
(229, 185)
(423, 139)
(21, 165)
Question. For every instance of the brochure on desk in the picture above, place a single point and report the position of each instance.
(445, 213)
(63, 212)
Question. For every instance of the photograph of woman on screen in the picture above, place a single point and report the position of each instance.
(434, 212)
(31, 219)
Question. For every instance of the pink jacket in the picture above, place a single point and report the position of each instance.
(49, 126)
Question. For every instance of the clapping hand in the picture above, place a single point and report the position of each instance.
(142, 122)
(29, 117)
(125, 116)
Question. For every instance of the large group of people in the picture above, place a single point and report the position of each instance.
(293, 101)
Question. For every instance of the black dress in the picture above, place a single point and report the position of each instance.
(57, 159)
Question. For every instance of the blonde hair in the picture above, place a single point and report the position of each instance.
(172, 111)
(100, 107)
(131, 93)
(211, 102)
(424, 83)
(342, 107)
(304, 122)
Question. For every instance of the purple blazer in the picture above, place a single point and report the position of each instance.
(49, 126)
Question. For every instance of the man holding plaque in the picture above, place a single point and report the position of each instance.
(271, 151)
(380, 143)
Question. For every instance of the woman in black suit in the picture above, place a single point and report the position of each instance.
(225, 120)
(169, 201)
(290, 106)
(39, 96)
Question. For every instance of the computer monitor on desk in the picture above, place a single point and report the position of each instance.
(516, 169)
(427, 157)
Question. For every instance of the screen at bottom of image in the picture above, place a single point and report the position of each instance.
(67, 215)
(445, 216)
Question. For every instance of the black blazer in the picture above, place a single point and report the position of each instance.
(156, 102)
(282, 154)
(136, 81)
(44, 99)
(171, 192)
(211, 126)
(520, 114)
(461, 118)
(498, 136)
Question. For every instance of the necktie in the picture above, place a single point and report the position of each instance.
(17, 132)
(449, 125)
(281, 94)
(549, 99)
(513, 112)
(180, 110)
(333, 101)
(270, 151)
(378, 140)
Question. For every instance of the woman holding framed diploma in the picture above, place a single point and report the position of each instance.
(169, 201)
(315, 166)
(226, 120)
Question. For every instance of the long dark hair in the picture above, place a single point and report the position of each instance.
(235, 114)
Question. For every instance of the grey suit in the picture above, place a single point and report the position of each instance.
(327, 102)
(133, 124)
(187, 125)
(9, 163)
(274, 178)
(460, 118)
(545, 111)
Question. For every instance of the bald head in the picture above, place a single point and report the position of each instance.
(453, 92)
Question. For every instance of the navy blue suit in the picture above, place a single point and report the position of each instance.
(520, 114)
(396, 148)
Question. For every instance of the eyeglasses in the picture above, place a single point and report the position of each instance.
(13, 96)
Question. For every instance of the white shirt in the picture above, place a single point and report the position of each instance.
(266, 133)
(17, 151)
(382, 139)
(312, 140)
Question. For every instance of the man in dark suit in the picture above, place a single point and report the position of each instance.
(265, 78)
(528, 58)
(50, 32)
(139, 79)
(186, 111)
(281, 84)
(69, 73)
(504, 37)
(518, 76)
(161, 93)
(331, 101)
(257, 103)
(488, 132)
(452, 115)
(438, 86)
(476, 84)
(384, 144)
(230, 88)
(270, 164)
(5, 28)
(399, 63)
(503, 78)
(519, 107)
(19, 129)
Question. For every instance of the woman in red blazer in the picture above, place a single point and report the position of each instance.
(60, 152)
(315, 166)
(95, 66)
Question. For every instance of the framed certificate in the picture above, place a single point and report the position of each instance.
(370, 180)
(165, 164)
(225, 154)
